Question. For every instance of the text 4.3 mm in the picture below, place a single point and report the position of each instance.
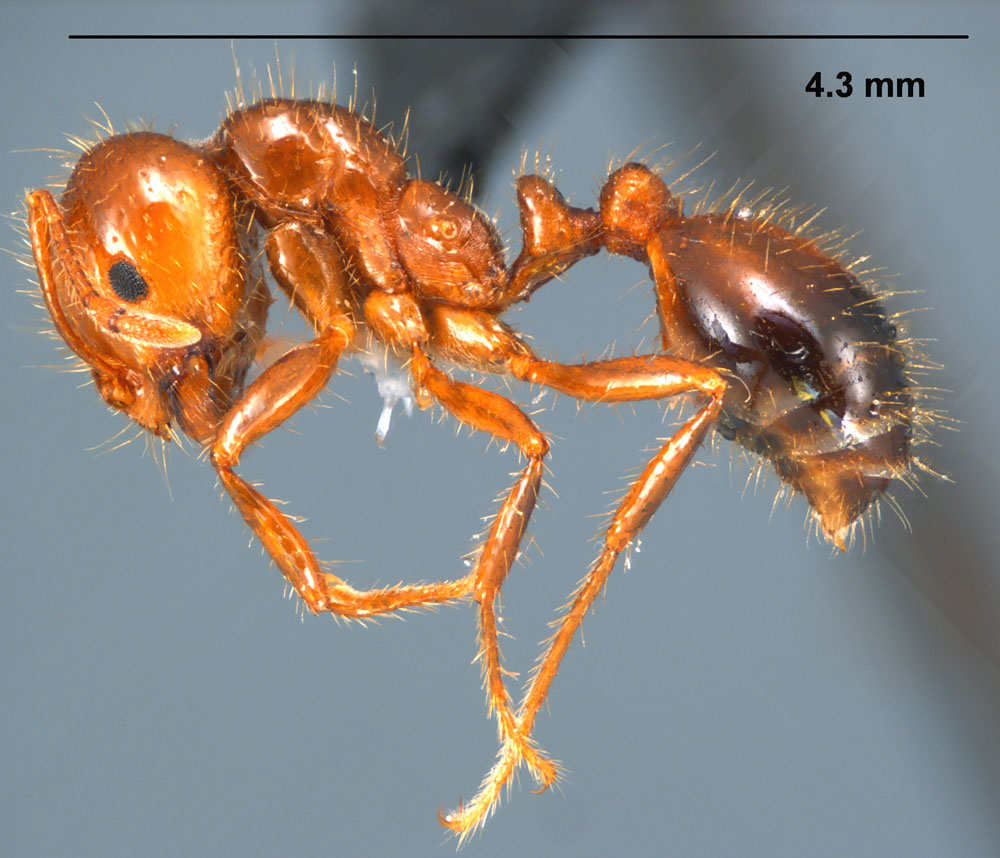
(875, 87)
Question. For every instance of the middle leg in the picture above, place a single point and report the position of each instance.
(492, 413)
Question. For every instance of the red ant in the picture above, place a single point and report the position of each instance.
(150, 268)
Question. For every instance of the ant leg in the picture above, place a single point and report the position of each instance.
(644, 496)
(306, 267)
(282, 389)
(490, 412)
(618, 380)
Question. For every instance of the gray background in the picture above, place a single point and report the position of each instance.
(742, 691)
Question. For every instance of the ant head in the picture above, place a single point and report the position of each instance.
(635, 205)
(449, 250)
(141, 270)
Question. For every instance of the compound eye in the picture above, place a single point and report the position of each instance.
(127, 282)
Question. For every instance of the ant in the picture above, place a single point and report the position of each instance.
(152, 267)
